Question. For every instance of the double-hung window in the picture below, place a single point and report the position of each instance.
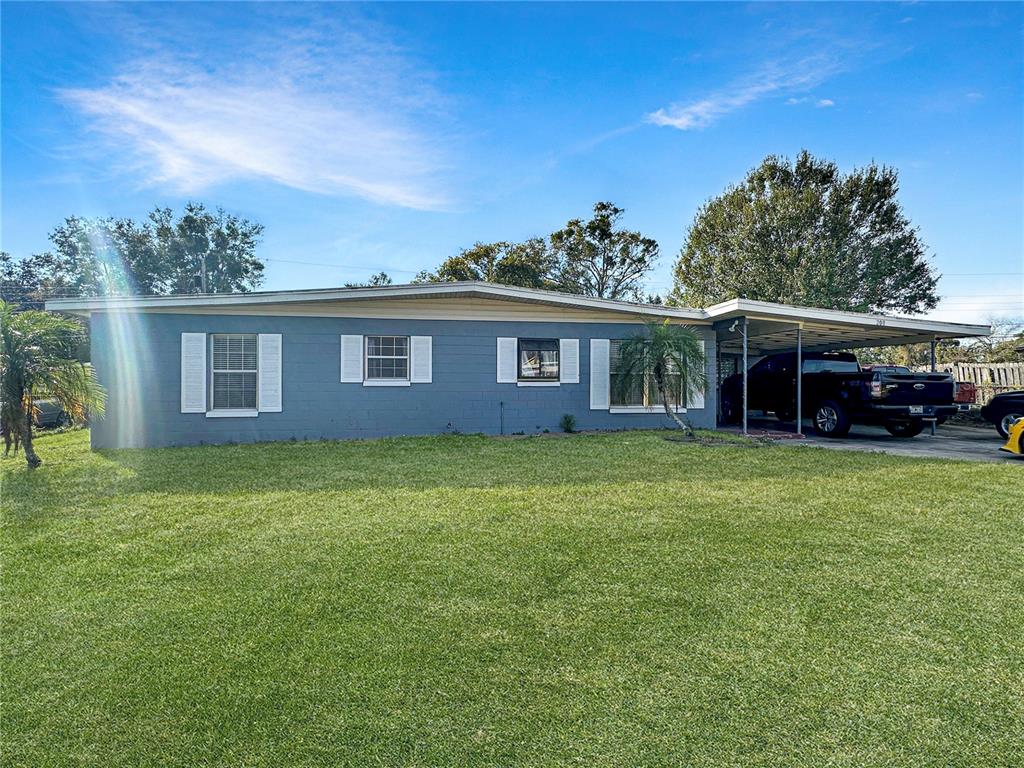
(234, 371)
(638, 390)
(387, 358)
(538, 359)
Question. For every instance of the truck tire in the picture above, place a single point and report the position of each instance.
(831, 419)
(905, 428)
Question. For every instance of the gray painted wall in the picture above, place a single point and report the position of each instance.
(138, 358)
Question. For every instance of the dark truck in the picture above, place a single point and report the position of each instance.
(837, 393)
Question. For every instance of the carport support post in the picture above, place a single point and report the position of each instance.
(744, 375)
(931, 359)
(799, 381)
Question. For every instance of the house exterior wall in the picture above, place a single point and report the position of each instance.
(137, 357)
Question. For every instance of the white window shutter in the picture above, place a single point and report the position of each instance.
(508, 369)
(600, 377)
(193, 373)
(268, 395)
(422, 365)
(569, 361)
(352, 359)
(696, 399)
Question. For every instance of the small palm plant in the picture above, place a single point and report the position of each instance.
(672, 358)
(37, 361)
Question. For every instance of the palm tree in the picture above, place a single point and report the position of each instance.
(37, 361)
(672, 358)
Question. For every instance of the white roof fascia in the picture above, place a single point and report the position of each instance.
(769, 310)
(426, 290)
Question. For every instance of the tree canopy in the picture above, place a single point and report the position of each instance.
(527, 264)
(597, 257)
(805, 233)
(195, 251)
(600, 258)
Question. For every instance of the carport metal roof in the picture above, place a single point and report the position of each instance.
(773, 328)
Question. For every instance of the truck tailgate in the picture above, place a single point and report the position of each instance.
(918, 388)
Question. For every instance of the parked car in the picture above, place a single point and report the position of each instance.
(49, 414)
(1003, 409)
(1015, 439)
(837, 393)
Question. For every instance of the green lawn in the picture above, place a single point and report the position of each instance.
(611, 599)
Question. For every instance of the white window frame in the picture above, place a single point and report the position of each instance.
(387, 382)
(538, 381)
(647, 407)
(219, 413)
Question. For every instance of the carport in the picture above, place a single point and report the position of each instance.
(746, 328)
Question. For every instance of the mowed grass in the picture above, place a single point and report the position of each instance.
(597, 600)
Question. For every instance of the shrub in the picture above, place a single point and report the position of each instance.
(568, 422)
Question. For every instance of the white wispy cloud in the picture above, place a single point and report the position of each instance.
(775, 79)
(334, 112)
(824, 103)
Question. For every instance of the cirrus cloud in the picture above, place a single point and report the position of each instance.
(334, 112)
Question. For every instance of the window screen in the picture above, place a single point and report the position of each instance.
(234, 371)
(387, 357)
(538, 359)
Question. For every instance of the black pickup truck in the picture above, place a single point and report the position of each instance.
(837, 393)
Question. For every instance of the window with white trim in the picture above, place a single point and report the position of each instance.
(538, 359)
(387, 358)
(234, 371)
(642, 391)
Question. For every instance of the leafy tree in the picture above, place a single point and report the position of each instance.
(375, 281)
(599, 258)
(524, 264)
(672, 356)
(28, 283)
(804, 233)
(37, 361)
(195, 251)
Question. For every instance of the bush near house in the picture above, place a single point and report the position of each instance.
(612, 599)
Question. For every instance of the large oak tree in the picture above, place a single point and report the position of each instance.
(805, 233)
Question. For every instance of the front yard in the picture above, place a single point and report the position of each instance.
(612, 600)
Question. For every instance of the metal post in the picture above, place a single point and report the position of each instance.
(931, 356)
(799, 382)
(744, 375)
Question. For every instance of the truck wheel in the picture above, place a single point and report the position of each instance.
(905, 428)
(830, 419)
(1003, 425)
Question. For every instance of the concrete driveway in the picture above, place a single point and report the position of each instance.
(949, 442)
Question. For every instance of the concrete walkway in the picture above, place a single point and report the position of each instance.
(949, 442)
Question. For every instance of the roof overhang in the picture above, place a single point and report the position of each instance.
(85, 306)
(773, 328)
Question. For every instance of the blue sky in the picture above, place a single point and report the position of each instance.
(386, 137)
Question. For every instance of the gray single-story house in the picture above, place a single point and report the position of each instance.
(415, 360)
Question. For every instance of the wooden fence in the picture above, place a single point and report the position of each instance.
(989, 378)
